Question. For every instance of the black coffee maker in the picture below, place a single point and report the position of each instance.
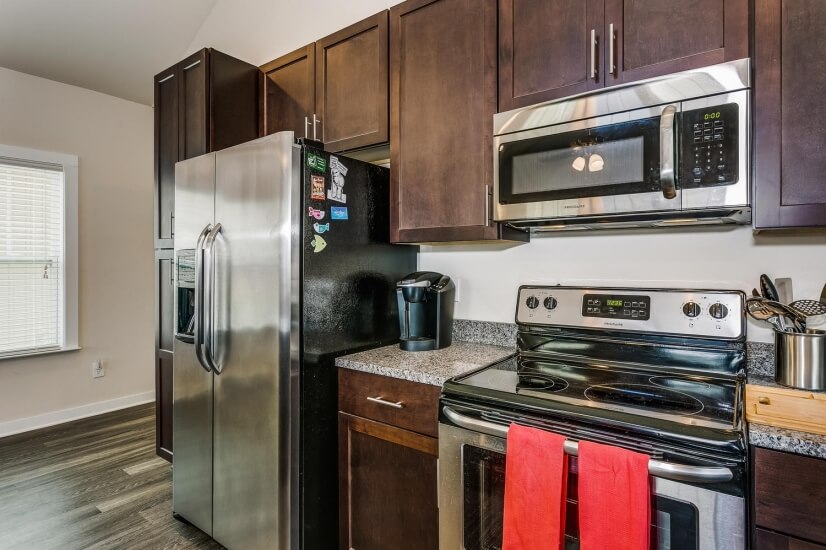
(426, 303)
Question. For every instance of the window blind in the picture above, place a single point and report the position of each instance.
(31, 256)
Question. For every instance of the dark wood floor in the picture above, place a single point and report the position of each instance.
(91, 484)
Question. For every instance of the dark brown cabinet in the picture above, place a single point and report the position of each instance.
(768, 540)
(388, 486)
(550, 49)
(443, 76)
(335, 90)
(207, 102)
(790, 117)
(790, 499)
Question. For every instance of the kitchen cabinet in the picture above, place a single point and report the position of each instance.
(550, 49)
(207, 102)
(388, 487)
(164, 334)
(789, 114)
(443, 81)
(789, 498)
(335, 90)
(768, 540)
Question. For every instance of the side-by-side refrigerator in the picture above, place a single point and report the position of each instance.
(282, 263)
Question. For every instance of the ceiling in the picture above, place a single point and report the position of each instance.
(111, 46)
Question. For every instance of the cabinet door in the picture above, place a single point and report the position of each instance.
(233, 101)
(194, 126)
(443, 85)
(164, 333)
(288, 94)
(790, 116)
(163, 404)
(388, 487)
(767, 540)
(166, 153)
(658, 37)
(164, 292)
(548, 49)
(352, 87)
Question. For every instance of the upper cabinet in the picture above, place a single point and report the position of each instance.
(335, 90)
(443, 90)
(550, 49)
(790, 117)
(206, 102)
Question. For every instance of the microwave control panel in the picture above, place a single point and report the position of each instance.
(709, 146)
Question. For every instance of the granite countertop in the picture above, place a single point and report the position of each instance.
(426, 367)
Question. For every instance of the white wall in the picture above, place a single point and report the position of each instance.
(113, 140)
(260, 30)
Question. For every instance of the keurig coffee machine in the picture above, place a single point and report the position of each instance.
(426, 303)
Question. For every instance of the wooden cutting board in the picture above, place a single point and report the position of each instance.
(786, 408)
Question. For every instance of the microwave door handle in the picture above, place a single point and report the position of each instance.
(656, 468)
(668, 159)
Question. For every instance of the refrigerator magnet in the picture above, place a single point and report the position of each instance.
(316, 162)
(318, 244)
(321, 228)
(338, 213)
(317, 186)
(315, 213)
(338, 171)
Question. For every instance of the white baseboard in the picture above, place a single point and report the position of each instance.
(30, 423)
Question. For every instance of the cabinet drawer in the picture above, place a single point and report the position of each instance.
(400, 403)
(790, 494)
(786, 408)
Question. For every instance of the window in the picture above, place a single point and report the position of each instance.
(38, 252)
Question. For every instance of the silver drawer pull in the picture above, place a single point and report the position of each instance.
(381, 401)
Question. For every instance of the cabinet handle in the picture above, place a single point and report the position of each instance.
(316, 120)
(306, 126)
(764, 400)
(172, 273)
(172, 224)
(381, 401)
(487, 205)
(612, 38)
(594, 54)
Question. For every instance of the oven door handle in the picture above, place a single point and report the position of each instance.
(668, 161)
(656, 468)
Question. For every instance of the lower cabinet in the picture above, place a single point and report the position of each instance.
(388, 468)
(164, 334)
(789, 501)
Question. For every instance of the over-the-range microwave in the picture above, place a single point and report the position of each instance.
(667, 151)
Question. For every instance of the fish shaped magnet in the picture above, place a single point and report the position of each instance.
(318, 243)
(321, 228)
(317, 214)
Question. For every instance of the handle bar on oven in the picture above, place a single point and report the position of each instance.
(656, 468)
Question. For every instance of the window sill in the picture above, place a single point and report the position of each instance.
(23, 355)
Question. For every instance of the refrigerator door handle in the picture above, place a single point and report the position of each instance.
(198, 332)
(209, 300)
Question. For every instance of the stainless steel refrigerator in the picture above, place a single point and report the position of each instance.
(282, 264)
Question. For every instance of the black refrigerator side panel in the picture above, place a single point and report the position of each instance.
(348, 304)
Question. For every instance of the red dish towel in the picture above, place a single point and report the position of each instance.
(614, 498)
(536, 474)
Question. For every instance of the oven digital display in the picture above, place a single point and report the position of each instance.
(612, 306)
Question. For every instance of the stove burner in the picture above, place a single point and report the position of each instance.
(541, 382)
(640, 396)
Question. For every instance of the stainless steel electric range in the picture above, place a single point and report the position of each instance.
(657, 371)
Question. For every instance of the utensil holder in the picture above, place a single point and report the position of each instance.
(801, 359)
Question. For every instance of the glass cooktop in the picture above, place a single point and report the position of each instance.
(687, 399)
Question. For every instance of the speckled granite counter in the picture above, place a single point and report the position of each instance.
(426, 367)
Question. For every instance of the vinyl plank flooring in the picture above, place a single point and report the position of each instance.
(91, 484)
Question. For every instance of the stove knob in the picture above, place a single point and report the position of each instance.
(691, 309)
(718, 310)
(550, 302)
(532, 302)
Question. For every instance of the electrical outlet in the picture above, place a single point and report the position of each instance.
(97, 369)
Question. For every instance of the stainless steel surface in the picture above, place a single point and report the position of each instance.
(306, 127)
(192, 385)
(668, 159)
(664, 303)
(487, 205)
(721, 517)
(255, 410)
(809, 307)
(381, 401)
(777, 314)
(612, 39)
(785, 291)
(193, 64)
(593, 54)
(172, 224)
(198, 332)
(801, 359)
(168, 77)
(316, 121)
(724, 83)
(208, 340)
(665, 470)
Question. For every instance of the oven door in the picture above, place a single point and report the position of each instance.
(472, 490)
(612, 164)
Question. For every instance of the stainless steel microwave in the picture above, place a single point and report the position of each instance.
(667, 151)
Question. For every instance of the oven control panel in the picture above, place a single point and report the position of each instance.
(702, 313)
(710, 149)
